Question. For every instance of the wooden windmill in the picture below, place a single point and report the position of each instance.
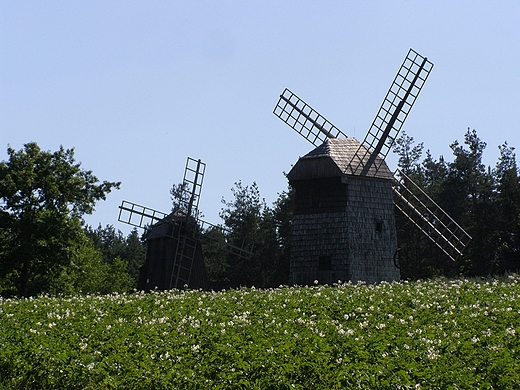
(344, 218)
(176, 240)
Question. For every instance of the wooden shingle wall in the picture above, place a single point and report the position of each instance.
(371, 233)
(357, 236)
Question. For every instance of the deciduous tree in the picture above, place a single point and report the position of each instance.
(43, 196)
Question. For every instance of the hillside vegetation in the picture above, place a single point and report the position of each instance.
(425, 334)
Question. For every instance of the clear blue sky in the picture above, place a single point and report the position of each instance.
(137, 86)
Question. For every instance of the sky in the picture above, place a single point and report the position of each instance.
(136, 87)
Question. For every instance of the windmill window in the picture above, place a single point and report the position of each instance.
(315, 200)
(379, 226)
(324, 263)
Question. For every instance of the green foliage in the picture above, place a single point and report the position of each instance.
(88, 273)
(266, 229)
(484, 201)
(43, 196)
(432, 334)
(118, 279)
(113, 244)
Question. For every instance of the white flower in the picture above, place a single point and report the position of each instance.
(432, 353)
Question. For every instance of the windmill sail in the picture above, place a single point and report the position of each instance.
(143, 217)
(180, 255)
(393, 112)
(192, 185)
(429, 217)
(304, 119)
(371, 154)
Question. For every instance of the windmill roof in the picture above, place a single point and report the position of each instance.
(337, 157)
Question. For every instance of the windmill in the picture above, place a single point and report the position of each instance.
(175, 241)
(345, 194)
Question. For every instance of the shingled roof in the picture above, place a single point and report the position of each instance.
(335, 157)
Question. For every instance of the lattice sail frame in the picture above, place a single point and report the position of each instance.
(192, 185)
(429, 217)
(187, 228)
(306, 121)
(391, 115)
(144, 217)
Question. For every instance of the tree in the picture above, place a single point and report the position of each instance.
(467, 195)
(267, 229)
(180, 197)
(113, 244)
(281, 213)
(87, 272)
(134, 253)
(507, 196)
(415, 250)
(485, 202)
(43, 196)
(242, 216)
(409, 154)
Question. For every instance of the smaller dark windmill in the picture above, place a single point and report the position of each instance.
(345, 194)
(175, 241)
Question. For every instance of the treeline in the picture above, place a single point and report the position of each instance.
(264, 229)
(45, 246)
(485, 201)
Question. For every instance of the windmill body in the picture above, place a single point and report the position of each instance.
(343, 223)
(346, 196)
(174, 257)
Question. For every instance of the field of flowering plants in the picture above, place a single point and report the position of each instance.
(426, 334)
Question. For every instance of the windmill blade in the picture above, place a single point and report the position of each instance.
(192, 185)
(139, 216)
(143, 217)
(429, 217)
(393, 112)
(304, 119)
(243, 251)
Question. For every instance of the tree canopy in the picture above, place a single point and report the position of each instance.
(43, 196)
(485, 201)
